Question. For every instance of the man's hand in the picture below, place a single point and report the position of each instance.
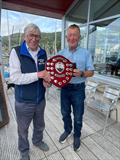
(44, 75)
(77, 73)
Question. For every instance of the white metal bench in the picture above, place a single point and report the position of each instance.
(90, 89)
(106, 103)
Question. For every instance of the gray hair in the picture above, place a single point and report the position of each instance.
(31, 26)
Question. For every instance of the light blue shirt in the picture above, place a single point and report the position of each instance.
(83, 61)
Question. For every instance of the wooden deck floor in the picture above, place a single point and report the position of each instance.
(94, 146)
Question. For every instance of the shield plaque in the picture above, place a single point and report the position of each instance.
(60, 69)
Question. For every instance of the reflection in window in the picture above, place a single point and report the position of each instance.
(83, 37)
(104, 41)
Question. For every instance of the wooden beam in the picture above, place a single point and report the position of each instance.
(4, 119)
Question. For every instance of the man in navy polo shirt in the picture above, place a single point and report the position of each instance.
(27, 72)
(73, 94)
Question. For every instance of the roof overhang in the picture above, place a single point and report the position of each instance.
(48, 8)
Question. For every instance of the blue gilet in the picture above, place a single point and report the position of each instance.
(33, 92)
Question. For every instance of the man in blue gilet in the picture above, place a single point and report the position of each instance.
(27, 72)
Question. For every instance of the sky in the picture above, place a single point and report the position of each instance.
(18, 20)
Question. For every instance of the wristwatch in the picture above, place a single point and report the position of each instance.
(82, 74)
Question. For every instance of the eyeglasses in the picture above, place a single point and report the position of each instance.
(34, 36)
(72, 35)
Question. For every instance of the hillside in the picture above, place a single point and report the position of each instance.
(47, 42)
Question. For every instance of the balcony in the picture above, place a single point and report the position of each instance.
(94, 146)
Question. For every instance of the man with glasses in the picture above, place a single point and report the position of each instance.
(73, 94)
(27, 72)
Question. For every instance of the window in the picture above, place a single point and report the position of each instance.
(104, 41)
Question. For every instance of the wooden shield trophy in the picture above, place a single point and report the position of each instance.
(60, 69)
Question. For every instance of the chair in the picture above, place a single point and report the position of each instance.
(90, 89)
(107, 103)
